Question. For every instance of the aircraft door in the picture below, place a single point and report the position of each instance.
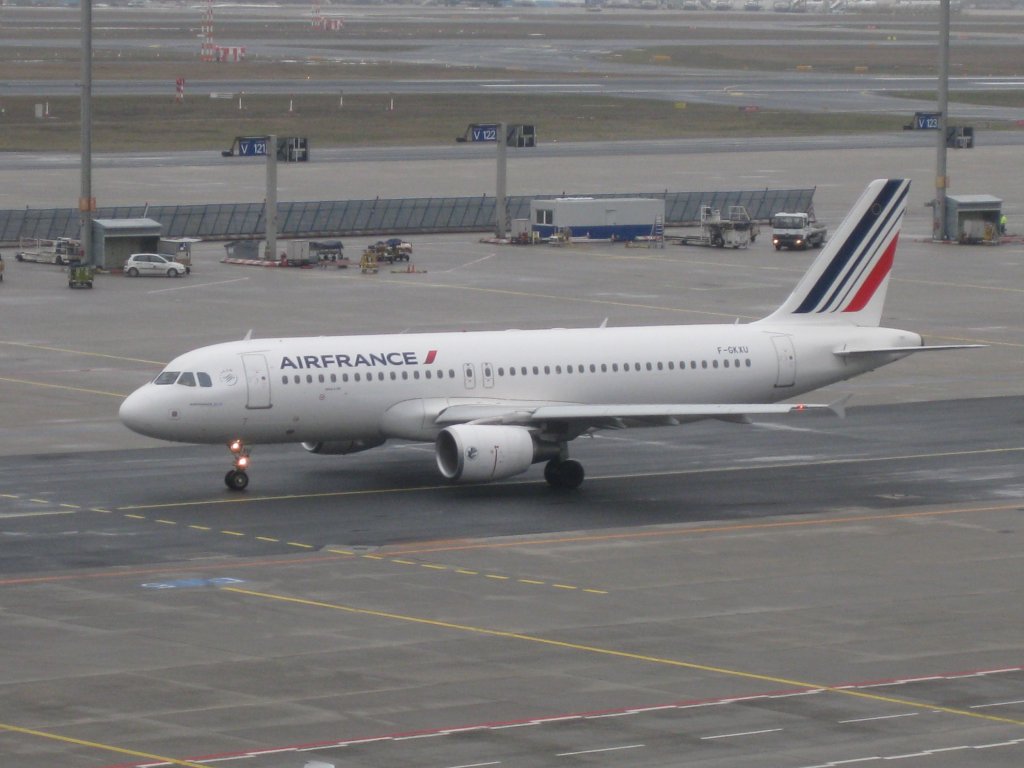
(469, 375)
(257, 380)
(785, 354)
(487, 373)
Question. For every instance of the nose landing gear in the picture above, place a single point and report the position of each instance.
(236, 479)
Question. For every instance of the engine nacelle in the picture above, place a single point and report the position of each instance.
(341, 447)
(478, 453)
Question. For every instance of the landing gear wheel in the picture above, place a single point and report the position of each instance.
(236, 480)
(566, 474)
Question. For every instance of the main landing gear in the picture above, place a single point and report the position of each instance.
(564, 473)
(237, 479)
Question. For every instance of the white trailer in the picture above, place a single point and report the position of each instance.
(597, 218)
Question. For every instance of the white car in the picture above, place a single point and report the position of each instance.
(153, 264)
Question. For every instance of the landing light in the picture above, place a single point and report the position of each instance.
(242, 462)
(235, 446)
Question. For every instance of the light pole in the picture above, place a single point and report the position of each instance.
(941, 179)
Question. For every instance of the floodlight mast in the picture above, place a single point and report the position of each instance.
(86, 202)
(941, 179)
(500, 209)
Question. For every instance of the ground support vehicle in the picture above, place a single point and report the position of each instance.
(61, 251)
(80, 276)
(329, 251)
(734, 230)
(398, 249)
(368, 262)
(797, 231)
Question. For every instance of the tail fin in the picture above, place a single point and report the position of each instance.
(848, 280)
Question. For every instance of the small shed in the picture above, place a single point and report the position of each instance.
(114, 240)
(242, 249)
(599, 218)
(973, 218)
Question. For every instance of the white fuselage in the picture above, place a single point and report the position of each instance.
(372, 388)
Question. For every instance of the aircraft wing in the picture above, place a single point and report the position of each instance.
(617, 416)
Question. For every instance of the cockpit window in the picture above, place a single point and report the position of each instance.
(204, 379)
(187, 379)
(167, 377)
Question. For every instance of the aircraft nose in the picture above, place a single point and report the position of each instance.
(136, 412)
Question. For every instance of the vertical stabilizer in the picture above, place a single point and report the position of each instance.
(847, 282)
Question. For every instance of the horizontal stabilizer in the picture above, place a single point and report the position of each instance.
(904, 350)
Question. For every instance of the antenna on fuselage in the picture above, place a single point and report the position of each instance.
(248, 335)
(604, 323)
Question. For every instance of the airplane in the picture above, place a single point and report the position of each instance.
(496, 402)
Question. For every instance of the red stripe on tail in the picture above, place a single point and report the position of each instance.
(878, 274)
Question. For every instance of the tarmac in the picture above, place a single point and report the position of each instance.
(782, 594)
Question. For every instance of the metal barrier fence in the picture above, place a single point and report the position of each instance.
(239, 221)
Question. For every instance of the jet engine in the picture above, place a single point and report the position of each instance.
(341, 447)
(475, 453)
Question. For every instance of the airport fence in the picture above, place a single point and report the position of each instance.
(341, 218)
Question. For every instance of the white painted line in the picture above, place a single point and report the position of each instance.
(476, 765)
(998, 744)
(595, 751)
(200, 285)
(880, 717)
(996, 704)
(744, 733)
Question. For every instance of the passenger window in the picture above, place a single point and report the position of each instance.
(187, 379)
(167, 377)
(204, 379)
(284, 379)
(321, 378)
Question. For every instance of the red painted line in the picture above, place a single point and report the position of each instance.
(592, 714)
